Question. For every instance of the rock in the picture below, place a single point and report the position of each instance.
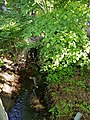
(35, 39)
(78, 116)
(7, 89)
(36, 104)
(8, 103)
(3, 114)
(38, 107)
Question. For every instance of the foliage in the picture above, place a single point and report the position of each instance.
(62, 109)
(27, 13)
(64, 46)
(1, 63)
(9, 31)
(69, 96)
(65, 109)
(11, 25)
(14, 21)
(65, 41)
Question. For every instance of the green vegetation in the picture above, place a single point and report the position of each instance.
(63, 50)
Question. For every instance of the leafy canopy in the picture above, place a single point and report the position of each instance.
(65, 41)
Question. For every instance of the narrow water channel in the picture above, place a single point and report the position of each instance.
(23, 109)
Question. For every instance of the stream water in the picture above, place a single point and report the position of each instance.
(30, 79)
(21, 109)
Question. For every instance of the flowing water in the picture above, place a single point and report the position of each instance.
(21, 109)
